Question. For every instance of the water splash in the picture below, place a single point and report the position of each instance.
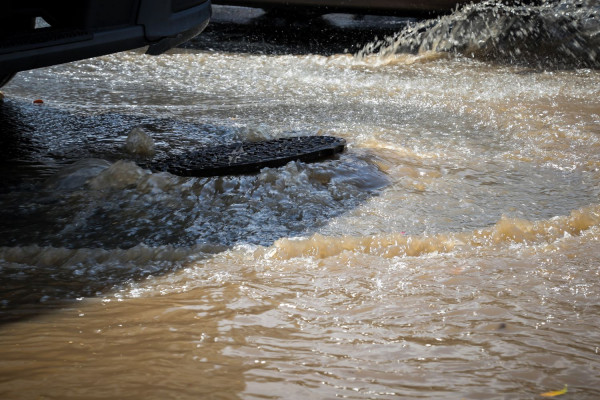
(542, 34)
(139, 143)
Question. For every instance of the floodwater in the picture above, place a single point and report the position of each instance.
(452, 252)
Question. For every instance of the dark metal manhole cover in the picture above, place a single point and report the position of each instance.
(249, 157)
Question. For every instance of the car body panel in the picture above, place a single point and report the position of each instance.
(77, 29)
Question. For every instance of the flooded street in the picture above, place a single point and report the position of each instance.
(452, 251)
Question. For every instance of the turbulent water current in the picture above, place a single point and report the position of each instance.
(451, 252)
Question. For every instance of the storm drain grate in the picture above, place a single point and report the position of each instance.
(249, 157)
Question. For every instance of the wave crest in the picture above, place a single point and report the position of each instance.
(505, 231)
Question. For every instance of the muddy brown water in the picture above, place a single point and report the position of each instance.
(453, 251)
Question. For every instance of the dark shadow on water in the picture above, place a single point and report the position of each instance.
(18, 146)
(243, 30)
(66, 233)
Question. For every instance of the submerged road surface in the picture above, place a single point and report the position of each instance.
(452, 251)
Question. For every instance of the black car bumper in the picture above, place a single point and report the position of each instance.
(78, 29)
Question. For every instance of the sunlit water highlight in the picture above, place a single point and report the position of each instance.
(451, 252)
